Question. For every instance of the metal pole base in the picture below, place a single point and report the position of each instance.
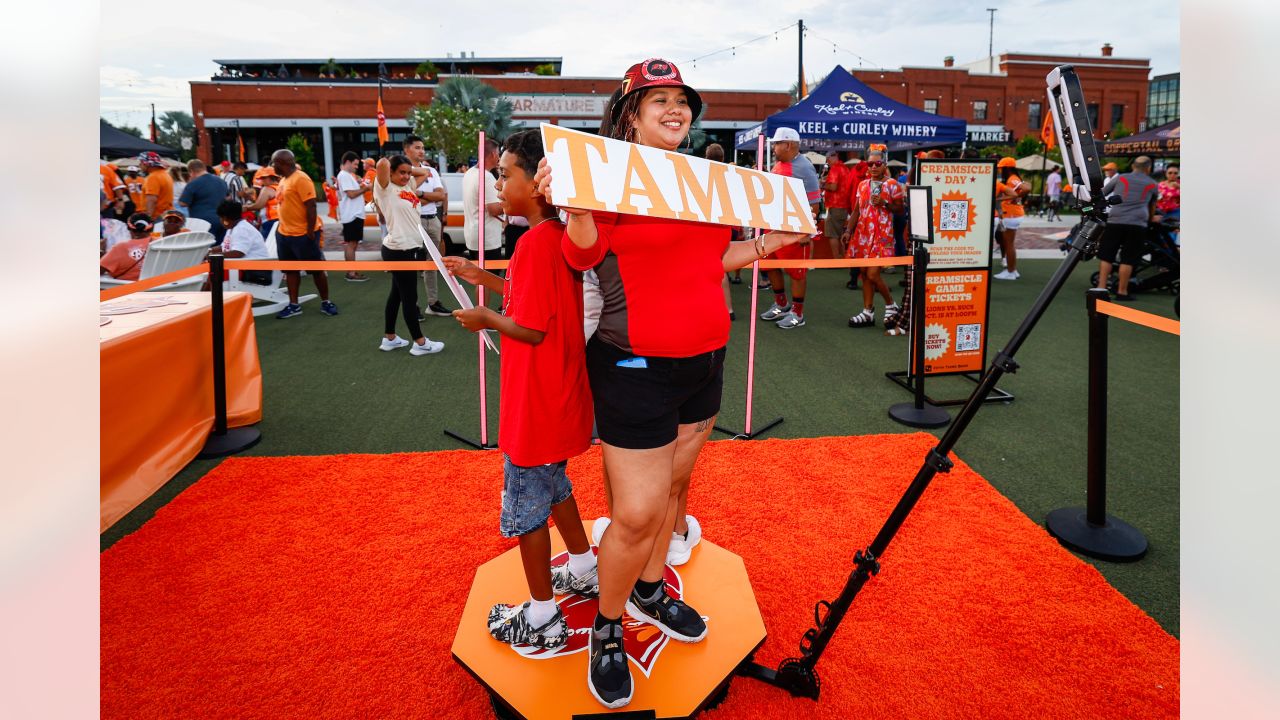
(929, 416)
(734, 435)
(1116, 541)
(469, 441)
(234, 441)
(793, 675)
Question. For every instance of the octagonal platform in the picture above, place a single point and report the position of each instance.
(672, 679)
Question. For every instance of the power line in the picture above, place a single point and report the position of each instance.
(734, 48)
(835, 46)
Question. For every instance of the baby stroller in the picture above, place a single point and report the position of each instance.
(1159, 267)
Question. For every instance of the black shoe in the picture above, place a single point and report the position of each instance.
(437, 309)
(732, 317)
(421, 315)
(852, 285)
(673, 617)
(1122, 298)
(735, 280)
(608, 677)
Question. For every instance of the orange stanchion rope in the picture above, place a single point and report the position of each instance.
(373, 265)
(846, 263)
(158, 280)
(1155, 322)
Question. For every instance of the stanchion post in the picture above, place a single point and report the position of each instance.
(222, 441)
(919, 413)
(1090, 530)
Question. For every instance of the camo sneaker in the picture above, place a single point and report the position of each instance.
(509, 624)
(564, 582)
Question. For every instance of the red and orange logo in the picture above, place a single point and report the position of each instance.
(954, 215)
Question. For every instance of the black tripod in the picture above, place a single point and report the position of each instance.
(798, 675)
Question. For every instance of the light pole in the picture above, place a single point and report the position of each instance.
(991, 36)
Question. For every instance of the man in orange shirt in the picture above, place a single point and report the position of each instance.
(133, 186)
(124, 260)
(158, 186)
(116, 193)
(298, 234)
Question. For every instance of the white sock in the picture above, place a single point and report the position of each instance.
(582, 564)
(541, 611)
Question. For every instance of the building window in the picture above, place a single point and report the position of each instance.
(979, 109)
(1035, 115)
(1117, 114)
(1093, 115)
(931, 106)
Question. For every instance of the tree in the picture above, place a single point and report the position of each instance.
(124, 128)
(545, 69)
(795, 88)
(301, 149)
(467, 93)
(331, 68)
(427, 70)
(1120, 130)
(1028, 145)
(447, 129)
(173, 127)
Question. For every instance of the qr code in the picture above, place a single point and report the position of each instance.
(968, 337)
(955, 215)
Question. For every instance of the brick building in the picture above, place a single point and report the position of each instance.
(269, 100)
(1003, 98)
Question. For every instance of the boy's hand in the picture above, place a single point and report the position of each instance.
(463, 268)
(475, 319)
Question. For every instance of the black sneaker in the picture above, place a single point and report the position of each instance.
(508, 624)
(1117, 297)
(437, 309)
(673, 617)
(608, 677)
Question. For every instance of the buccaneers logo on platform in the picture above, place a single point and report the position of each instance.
(643, 641)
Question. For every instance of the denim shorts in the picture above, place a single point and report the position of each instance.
(528, 494)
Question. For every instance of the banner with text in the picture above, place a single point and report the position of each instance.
(597, 173)
(963, 207)
(955, 319)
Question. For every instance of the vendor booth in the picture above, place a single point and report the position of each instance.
(1163, 141)
(843, 113)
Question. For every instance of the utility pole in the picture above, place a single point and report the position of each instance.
(991, 36)
(800, 65)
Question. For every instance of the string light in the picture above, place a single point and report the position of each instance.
(734, 48)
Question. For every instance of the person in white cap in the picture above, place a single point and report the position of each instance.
(786, 149)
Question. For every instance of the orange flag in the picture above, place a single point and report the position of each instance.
(1047, 135)
(240, 143)
(382, 124)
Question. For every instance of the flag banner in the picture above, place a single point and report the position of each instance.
(1047, 135)
(591, 172)
(382, 123)
(240, 145)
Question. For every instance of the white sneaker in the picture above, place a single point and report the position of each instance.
(427, 347)
(389, 345)
(681, 547)
(1016, 274)
(597, 530)
(1006, 275)
(775, 312)
(1004, 262)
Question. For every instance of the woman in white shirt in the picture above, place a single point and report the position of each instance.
(395, 194)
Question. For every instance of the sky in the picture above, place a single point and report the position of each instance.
(603, 38)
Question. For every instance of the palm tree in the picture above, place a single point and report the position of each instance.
(471, 94)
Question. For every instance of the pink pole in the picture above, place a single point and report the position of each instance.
(755, 299)
(483, 212)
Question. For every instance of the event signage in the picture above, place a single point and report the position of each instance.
(955, 321)
(963, 206)
(821, 128)
(534, 105)
(988, 135)
(598, 173)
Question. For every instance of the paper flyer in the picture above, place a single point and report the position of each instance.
(459, 294)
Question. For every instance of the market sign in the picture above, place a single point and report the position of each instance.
(547, 106)
(988, 135)
(598, 173)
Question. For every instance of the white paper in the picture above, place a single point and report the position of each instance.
(458, 293)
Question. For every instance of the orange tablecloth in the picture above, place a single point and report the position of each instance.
(157, 390)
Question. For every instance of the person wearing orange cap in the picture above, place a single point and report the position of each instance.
(268, 198)
(1110, 170)
(1010, 190)
(656, 377)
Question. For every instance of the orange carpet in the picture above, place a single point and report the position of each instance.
(330, 587)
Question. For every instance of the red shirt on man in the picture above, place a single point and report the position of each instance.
(857, 173)
(839, 174)
(545, 403)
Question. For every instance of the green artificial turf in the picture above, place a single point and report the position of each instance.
(328, 390)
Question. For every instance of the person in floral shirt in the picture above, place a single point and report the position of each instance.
(1169, 202)
(869, 234)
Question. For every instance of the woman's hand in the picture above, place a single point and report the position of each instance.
(475, 319)
(463, 268)
(789, 238)
(542, 179)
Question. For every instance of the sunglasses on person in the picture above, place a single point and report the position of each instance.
(875, 163)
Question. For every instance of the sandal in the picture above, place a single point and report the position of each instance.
(866, 318)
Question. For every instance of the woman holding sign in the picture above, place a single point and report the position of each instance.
(655, 365)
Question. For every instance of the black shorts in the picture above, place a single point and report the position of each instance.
(1127, 242)
(642, 407)
(353, 231)
(297, 247)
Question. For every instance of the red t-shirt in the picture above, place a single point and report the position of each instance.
(838, 198)
(124, 260)
(660, 280)
(857, 173)
(545, 403)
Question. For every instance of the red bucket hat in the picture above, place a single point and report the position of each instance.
(656, 72)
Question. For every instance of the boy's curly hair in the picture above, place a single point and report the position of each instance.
(526, 146)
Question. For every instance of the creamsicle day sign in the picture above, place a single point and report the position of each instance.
(598, 173)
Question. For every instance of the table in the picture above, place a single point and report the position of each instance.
(157, 390)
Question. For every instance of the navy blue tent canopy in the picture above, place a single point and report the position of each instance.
(844, 113)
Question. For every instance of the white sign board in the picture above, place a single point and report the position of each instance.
(963, 194)
(597, 173)
(589, 106)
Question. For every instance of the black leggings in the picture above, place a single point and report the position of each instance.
(404, 291)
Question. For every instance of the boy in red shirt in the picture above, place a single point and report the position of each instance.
(545, 413)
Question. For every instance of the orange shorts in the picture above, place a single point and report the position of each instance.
(797, 251)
